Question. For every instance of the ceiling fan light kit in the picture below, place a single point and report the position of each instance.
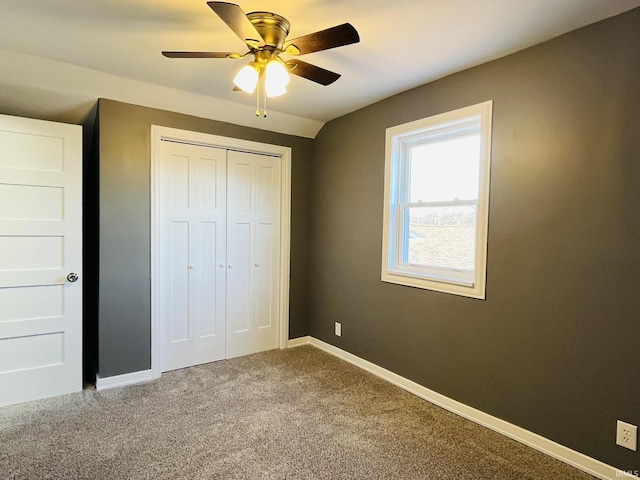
(247, 78)
(265, 33)
(276, 79)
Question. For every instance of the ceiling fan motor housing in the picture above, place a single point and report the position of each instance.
(272, 27)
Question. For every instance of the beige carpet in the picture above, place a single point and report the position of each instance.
(294, 414)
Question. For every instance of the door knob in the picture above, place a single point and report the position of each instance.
(72, 277)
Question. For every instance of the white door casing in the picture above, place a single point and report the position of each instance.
(40, 244)
(278, 318)
(192, 254)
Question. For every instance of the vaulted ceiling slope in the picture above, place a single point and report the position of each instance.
(58, 56)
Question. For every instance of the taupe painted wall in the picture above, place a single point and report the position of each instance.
(555, 347)
(124, 312)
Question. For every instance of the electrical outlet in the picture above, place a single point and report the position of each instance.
(627, 435)
(338, 329)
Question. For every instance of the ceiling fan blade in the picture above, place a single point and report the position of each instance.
(235, 18)
(337, 36)
(199, 54)
(312, 72)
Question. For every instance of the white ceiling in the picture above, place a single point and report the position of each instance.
(58, 56)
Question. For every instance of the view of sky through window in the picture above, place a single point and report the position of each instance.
(444, 170)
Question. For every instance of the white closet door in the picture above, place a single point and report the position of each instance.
(40, 244)
(192, 254)
(253, 255)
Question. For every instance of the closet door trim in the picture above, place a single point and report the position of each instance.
(159, 134)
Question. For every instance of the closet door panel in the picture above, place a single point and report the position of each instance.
(239, 279)
(264, 277)
(209, 294)
(208, 314)
(176, 234)
(192, 245)
(177, 178)
(253, 209)
(267, 252)
(179, 284)
(240, 245)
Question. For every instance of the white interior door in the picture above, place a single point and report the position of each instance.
(253, 254)
(40, 244)
(192, 254)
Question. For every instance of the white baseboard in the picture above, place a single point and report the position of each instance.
(576, 459)
(122, 380)
(297, 342)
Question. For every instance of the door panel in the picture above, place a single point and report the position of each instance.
(32, 151)
(208, 296)
(264, 294)
(178, 178)
(207, 182)
(31, 253)
(31, 202)
(240, 241)
(192, 246)
(242, 182)
(17, 303)
(253, 210)
(267, 255)
(206, 262)
(31, 351)
(239, 278)
(40, 243)
(179, 281)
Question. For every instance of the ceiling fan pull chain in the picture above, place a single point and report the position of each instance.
(265, 103)
(258, 99)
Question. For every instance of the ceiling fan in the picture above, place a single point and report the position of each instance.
(265, 35)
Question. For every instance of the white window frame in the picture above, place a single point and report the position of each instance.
(399, 139)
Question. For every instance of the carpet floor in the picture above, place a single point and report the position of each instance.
(284, 414)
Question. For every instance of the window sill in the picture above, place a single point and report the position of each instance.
(438, 284)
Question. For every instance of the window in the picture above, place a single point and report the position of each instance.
(436, 202)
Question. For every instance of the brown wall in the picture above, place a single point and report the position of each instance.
(123, 309)
(555, 347)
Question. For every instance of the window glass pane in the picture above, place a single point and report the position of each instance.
(445, 170)
(442, 237)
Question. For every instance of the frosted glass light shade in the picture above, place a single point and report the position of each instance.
(276, 79)
(276, 91)
(247, 78)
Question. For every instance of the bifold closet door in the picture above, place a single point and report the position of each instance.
(253, 252)
(192, 254)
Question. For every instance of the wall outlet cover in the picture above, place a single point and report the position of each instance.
(627, 435)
